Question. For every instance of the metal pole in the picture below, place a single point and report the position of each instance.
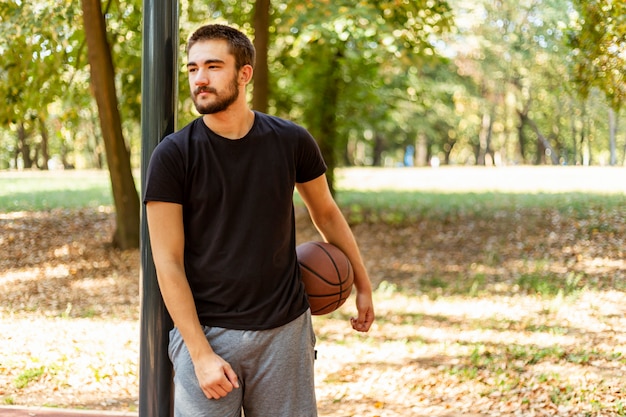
(159, 87)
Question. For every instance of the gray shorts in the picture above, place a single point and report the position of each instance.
(274, 367)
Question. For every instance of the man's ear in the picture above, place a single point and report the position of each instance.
(245, 74)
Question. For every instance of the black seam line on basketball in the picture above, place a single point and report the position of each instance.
(318, 275)
(349, 270)
(323, 308)
(325, 295)
(336, 268)
(335, 265)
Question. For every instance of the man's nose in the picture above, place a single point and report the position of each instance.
(201, 77)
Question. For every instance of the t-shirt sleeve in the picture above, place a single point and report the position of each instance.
(310, 161)
(165, 174)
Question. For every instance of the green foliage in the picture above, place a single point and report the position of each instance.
(550, 285)
(35, 55)
(37, 66)
(467, 82)
(124, 29)
(515, 53)
(347, 63)
(46, 80)
(598, 39)
(28, 376)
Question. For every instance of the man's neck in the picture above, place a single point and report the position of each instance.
(232, 123)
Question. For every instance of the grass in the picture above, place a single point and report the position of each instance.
(29, 375)
(398, 207)
(41, 190)
(550, 285)
(38, 191)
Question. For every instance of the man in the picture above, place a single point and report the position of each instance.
(219, 203)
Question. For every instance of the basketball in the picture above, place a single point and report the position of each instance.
(327, 276)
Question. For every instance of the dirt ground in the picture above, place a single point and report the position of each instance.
(462, 329)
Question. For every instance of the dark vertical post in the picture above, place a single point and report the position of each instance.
(159, 86)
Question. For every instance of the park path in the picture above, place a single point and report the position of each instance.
(11, 411)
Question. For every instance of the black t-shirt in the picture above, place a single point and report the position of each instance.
(237, 198)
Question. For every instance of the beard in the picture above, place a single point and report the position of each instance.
(221, 101)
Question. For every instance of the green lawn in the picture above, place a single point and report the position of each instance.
(35, 191)
(432, 193)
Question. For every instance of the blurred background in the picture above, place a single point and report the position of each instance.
(379, 83)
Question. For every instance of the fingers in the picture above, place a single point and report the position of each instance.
(357, 325)
(232, 377)
(363, 322)
(217, 379)
(215, 393)
(365, 307)
(218, 389)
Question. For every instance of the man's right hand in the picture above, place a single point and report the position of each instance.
(215, 376)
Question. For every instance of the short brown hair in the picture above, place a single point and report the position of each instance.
(239, 44)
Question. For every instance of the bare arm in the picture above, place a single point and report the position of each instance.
(333, 227)
(165, 223)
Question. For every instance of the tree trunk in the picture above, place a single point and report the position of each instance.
(421, 150)
(377, 150)
(612, 134)
(65, 151)
(125, 194)
(484, 139)
(321, 112)
(584, 158)
(327, 139)
(521, 139)
(574, 132)
(260, 93)
(23, 147)
(544, 141)
(623, 154)
(45, 154)
(585, 140)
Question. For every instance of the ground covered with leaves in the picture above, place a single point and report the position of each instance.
(519, 313)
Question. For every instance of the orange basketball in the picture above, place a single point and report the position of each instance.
(327, 276)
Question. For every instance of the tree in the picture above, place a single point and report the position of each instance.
(35, 60)
(598, 39)
(499, 82)
(260, 96)
(515, 53)
(125, 194)
(345, 65)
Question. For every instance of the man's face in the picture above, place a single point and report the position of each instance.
(213, 79)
